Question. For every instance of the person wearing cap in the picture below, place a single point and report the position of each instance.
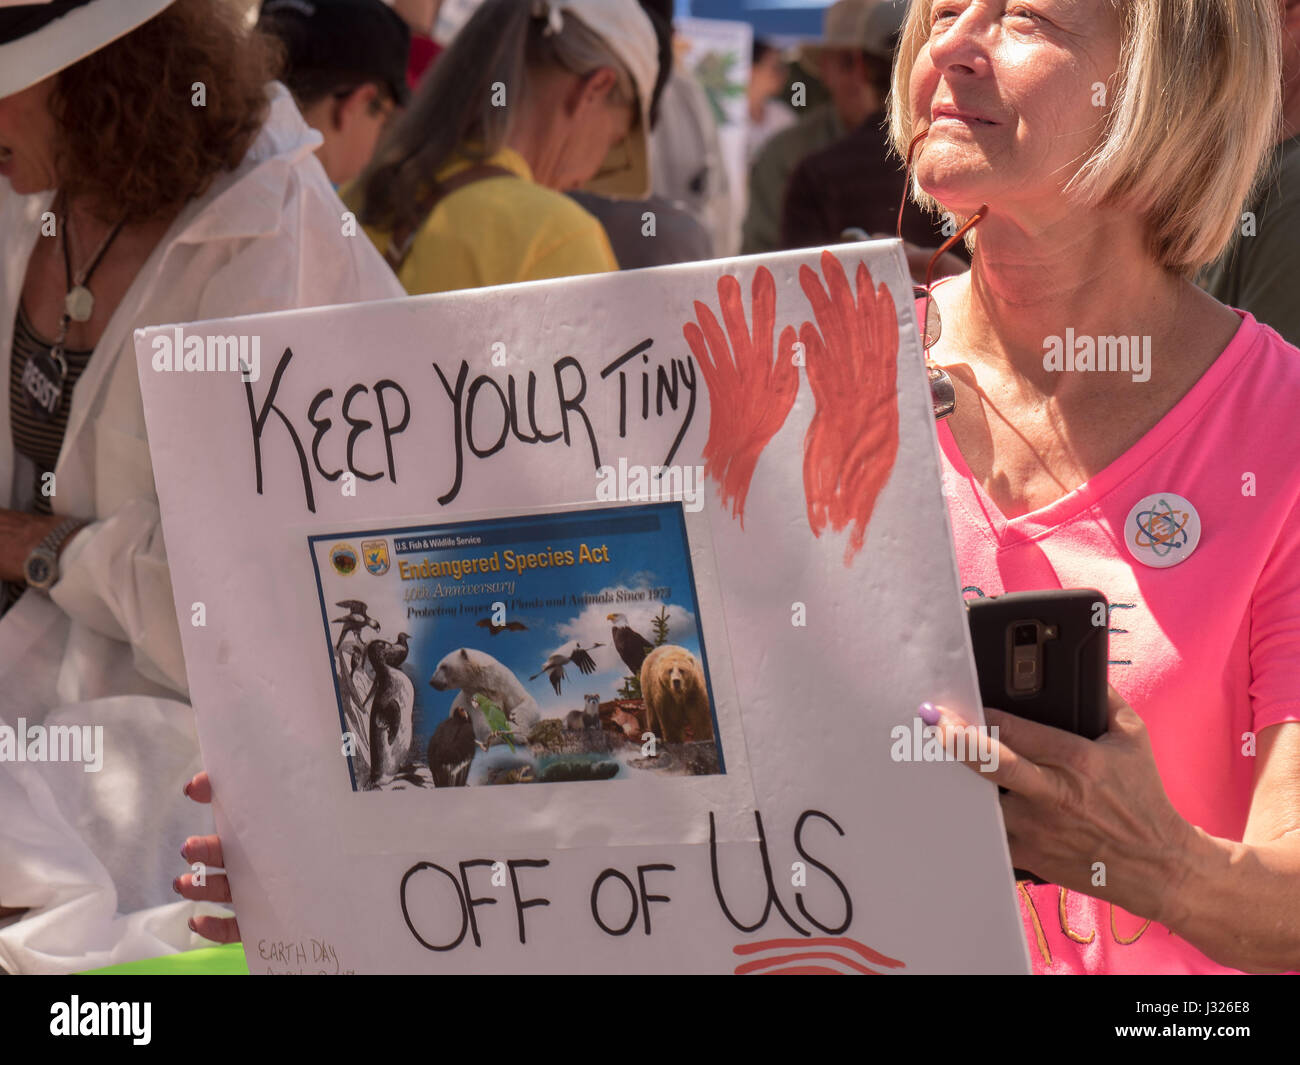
(126, 200)
(677, 236)
(851, 60)
(529, 100)
(346, 67)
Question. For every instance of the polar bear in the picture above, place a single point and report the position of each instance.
(675, 694)
(478, 673)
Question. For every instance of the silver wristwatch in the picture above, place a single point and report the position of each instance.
(42, 566)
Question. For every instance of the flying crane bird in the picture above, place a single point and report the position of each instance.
(554, 668)
(493, 628)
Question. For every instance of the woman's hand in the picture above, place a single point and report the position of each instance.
(1090, 815)
(206, 849)
(19, 534)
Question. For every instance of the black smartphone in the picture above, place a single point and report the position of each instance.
(1042, 656)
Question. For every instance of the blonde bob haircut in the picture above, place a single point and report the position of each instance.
(1194, 111)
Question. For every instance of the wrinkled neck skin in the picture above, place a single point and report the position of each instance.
(1050, 266)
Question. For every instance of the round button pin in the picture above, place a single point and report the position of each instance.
(1162, 530)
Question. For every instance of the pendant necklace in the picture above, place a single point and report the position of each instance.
(45, 372)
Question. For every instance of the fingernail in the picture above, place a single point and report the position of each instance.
(191, 924)
(928, 713)
(186, 790)
(184, 848)
(176, 885)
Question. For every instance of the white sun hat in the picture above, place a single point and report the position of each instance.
(625, 27)
(42, 38)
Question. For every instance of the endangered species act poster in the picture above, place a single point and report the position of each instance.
(569, 626)
(543, 648)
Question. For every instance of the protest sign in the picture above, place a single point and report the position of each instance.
(580, 626)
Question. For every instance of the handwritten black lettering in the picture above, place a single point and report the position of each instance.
(798, 895)
(521, 903)
(460, 898)
(259, 424)
(595, 902)
(772, 897)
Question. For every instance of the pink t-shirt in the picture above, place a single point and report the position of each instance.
(1206, 650)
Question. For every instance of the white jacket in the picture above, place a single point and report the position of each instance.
(267, 236)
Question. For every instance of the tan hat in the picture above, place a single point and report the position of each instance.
(625, 27)
(858, 26)
(42, 38)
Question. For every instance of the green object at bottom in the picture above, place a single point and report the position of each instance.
(210, 961)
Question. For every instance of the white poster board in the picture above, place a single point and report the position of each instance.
(484, 472)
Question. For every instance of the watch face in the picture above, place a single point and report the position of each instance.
(38, 571)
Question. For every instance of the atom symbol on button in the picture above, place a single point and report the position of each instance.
(1161, 530)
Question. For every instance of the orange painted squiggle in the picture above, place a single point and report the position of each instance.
(750, 393)
(852, 360)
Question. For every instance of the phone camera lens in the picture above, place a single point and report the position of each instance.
(1025, 635)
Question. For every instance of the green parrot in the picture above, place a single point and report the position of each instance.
(497, 722)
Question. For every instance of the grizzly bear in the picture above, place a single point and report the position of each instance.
(676, 697)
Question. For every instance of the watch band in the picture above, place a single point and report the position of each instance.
(42, 566)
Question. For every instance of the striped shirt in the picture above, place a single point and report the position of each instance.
(39, 441)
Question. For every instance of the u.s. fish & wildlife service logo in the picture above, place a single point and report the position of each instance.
(343, 557)
(375, 555)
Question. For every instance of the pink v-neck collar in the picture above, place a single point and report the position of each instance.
(1039, 522)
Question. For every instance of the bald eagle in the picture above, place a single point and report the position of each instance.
(631, 646)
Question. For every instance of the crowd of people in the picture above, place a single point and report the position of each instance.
(1133, 168)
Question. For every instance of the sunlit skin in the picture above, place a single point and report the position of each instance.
(1006, 89)
(567, 125)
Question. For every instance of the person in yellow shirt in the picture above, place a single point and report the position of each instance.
(530, 100)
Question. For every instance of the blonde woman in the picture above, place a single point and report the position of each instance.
(1112, 144)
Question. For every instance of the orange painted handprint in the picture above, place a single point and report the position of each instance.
(750, 395)
(852, 359)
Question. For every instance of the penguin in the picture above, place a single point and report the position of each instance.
(392, 702)
(400, 650)
(451, 749)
